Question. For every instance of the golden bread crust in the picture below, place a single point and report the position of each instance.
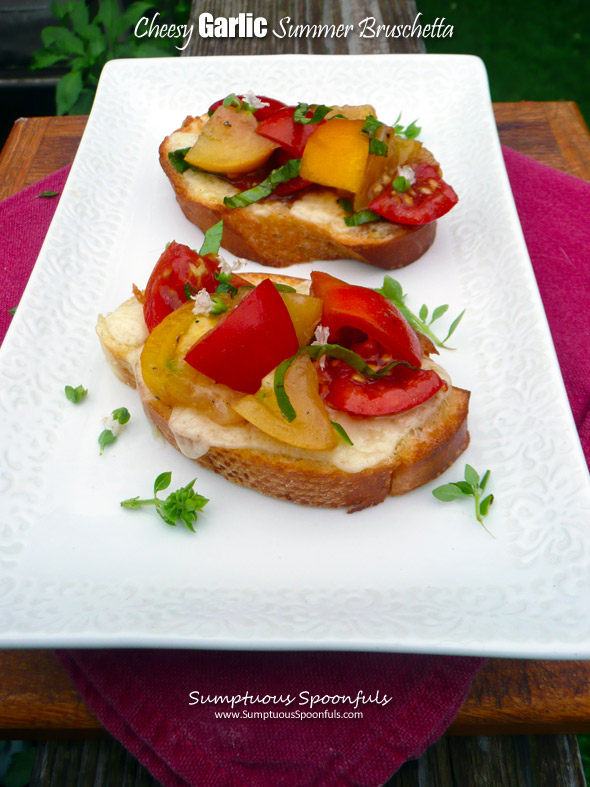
(280, 234)
(421, 458)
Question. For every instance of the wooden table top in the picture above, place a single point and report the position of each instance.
(509, 695)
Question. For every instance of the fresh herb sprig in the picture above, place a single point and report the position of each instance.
(393, 291)
(473, 486)
(113, 424)
(182, 505)
(77, 394)
(46, 194)
(409, 132)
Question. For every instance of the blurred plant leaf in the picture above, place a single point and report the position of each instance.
(68, 91)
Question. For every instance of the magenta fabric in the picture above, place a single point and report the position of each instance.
(143, 696)
(554, 211)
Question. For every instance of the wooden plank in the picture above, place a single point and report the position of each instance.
(552, 132)
(503, 761)
(15, 160)
(510, 695)
(36, 147)
(307, 12)
(87, 764)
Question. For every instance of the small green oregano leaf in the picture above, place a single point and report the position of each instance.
(76, 394)
(473, 487)
(162, 482)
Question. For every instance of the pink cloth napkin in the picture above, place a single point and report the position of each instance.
(144, 698)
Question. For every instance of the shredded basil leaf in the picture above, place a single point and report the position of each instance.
(218, 306)
(189, 290)
(212, 240)
(342, 432)
(319, 113)
(283, 174)
(361, 217)
(232, 101)
(235, 101)
(377, 147)
(371, 125)
(176, 158)
(315, 351)
(346, 204)
(401, 184)
(283, 287)
(225, 284)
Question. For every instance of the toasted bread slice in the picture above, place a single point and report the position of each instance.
(391, 455)
(304, 227)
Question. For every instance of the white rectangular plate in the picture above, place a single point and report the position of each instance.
(412, 574)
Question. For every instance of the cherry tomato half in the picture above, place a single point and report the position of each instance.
(248, 342)
(353, 313)
(281, 128)
(427, 199)
(401, 389)
(259, 114)
(178, 266)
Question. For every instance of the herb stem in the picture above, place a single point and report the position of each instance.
(134, 502)
(477, 494)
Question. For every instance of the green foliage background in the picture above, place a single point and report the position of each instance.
(532, 51)
(84, 38)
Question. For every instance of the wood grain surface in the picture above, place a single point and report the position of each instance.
(307, 12)
(509, 695)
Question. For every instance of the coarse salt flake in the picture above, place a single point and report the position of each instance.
(408, 173)
(253, 100)
(203, 302)
(321, 336)
(112, 425)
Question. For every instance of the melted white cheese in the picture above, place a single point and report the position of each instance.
(375, 440)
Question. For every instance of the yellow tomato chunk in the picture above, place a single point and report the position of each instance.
(305, 312)
(311, 428)
(229, 143)
(336, 155)
(173, 381)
